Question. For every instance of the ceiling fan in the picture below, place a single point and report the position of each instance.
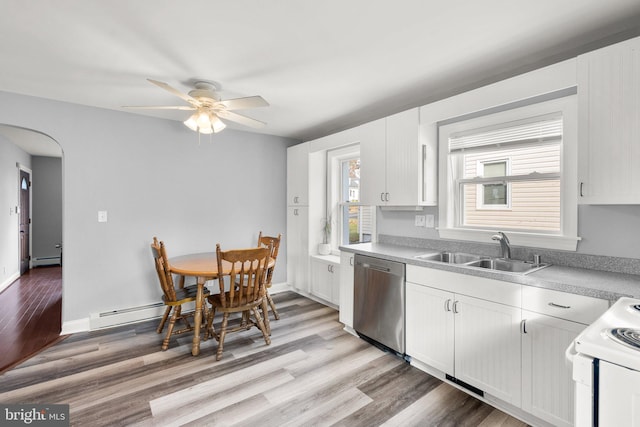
(208, 108)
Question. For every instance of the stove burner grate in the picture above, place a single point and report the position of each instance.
(636, 307)
(626, 336)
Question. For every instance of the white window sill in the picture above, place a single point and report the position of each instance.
(545, 241)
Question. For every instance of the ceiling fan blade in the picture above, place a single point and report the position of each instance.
(191, 100)
(161, 107)
(244, 103)
(238, 118)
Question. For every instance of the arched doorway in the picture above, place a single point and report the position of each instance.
(30, 259)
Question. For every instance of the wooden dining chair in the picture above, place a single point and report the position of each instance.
(274, 243)
(174, 298)
(241, 291)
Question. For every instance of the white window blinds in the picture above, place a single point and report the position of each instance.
(538, 129)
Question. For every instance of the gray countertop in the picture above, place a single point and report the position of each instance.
(581, 281)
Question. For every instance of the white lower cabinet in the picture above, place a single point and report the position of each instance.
(346, 288)
(487, 347)
(325, 279)
(505, 339)
(429, 326)
(551, 321)
(471, 339)
(547, 386)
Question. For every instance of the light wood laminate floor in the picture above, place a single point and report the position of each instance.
(313, 373)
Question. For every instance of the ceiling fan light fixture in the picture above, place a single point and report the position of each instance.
(203, 120)
(205, 130)
(217, 124)
(192, 123)
(207, 103)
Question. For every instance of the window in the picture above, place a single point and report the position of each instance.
(496, 195)
(512, 171)
(353, 222)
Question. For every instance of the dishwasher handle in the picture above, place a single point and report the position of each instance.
(374, 267)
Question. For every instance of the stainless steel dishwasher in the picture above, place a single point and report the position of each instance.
(378, 308)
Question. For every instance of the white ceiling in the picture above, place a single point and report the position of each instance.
(324, 66)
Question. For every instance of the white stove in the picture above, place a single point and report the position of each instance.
(606, 368)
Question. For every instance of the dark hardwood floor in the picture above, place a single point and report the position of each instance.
(30, 315)
(313, 373)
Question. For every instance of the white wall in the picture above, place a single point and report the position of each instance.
(9, 254)
(153, 178)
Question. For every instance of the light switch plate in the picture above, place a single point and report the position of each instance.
(102, 216)
(430, 221)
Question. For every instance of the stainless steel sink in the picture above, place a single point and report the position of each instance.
(509, 265)
(449, 257)
(473, 260)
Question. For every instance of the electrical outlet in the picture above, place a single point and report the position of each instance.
(420, 220)
(102, 216)
(430, 221)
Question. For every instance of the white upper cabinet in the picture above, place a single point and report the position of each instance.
(396, 168)
(298, 175)
(373, 163)
(609, 124)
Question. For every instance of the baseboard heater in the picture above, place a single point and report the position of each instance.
(125, 316)
(45, 260)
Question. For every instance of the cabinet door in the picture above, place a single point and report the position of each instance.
(325, 280)
(429, 326)
(298, 247)
(547, 384)
(321, 279)
(298, 175)
(403, 159)
(609, 124)
(487, 347)
(346, 288)
(373, 163)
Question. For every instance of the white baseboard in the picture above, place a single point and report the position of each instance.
(279, 287)
(4, 285)
(75, 326)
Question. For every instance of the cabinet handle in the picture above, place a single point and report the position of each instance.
(523, 326)
(581, 185)
(351, 261)
(382, 197)
(447, 305)
(295, 199)
(553, 304)
(455, 307)
(423, 172)
(386, 197)
(295, 212)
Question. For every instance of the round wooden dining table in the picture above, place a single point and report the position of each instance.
(203, 266)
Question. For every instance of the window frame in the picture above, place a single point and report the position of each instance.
(480, 201)
(567, 237)
(335, 204)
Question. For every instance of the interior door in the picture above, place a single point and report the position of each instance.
(25, 220)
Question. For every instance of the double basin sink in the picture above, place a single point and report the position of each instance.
(473, 260)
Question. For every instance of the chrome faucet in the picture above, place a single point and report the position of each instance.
(504, 244)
